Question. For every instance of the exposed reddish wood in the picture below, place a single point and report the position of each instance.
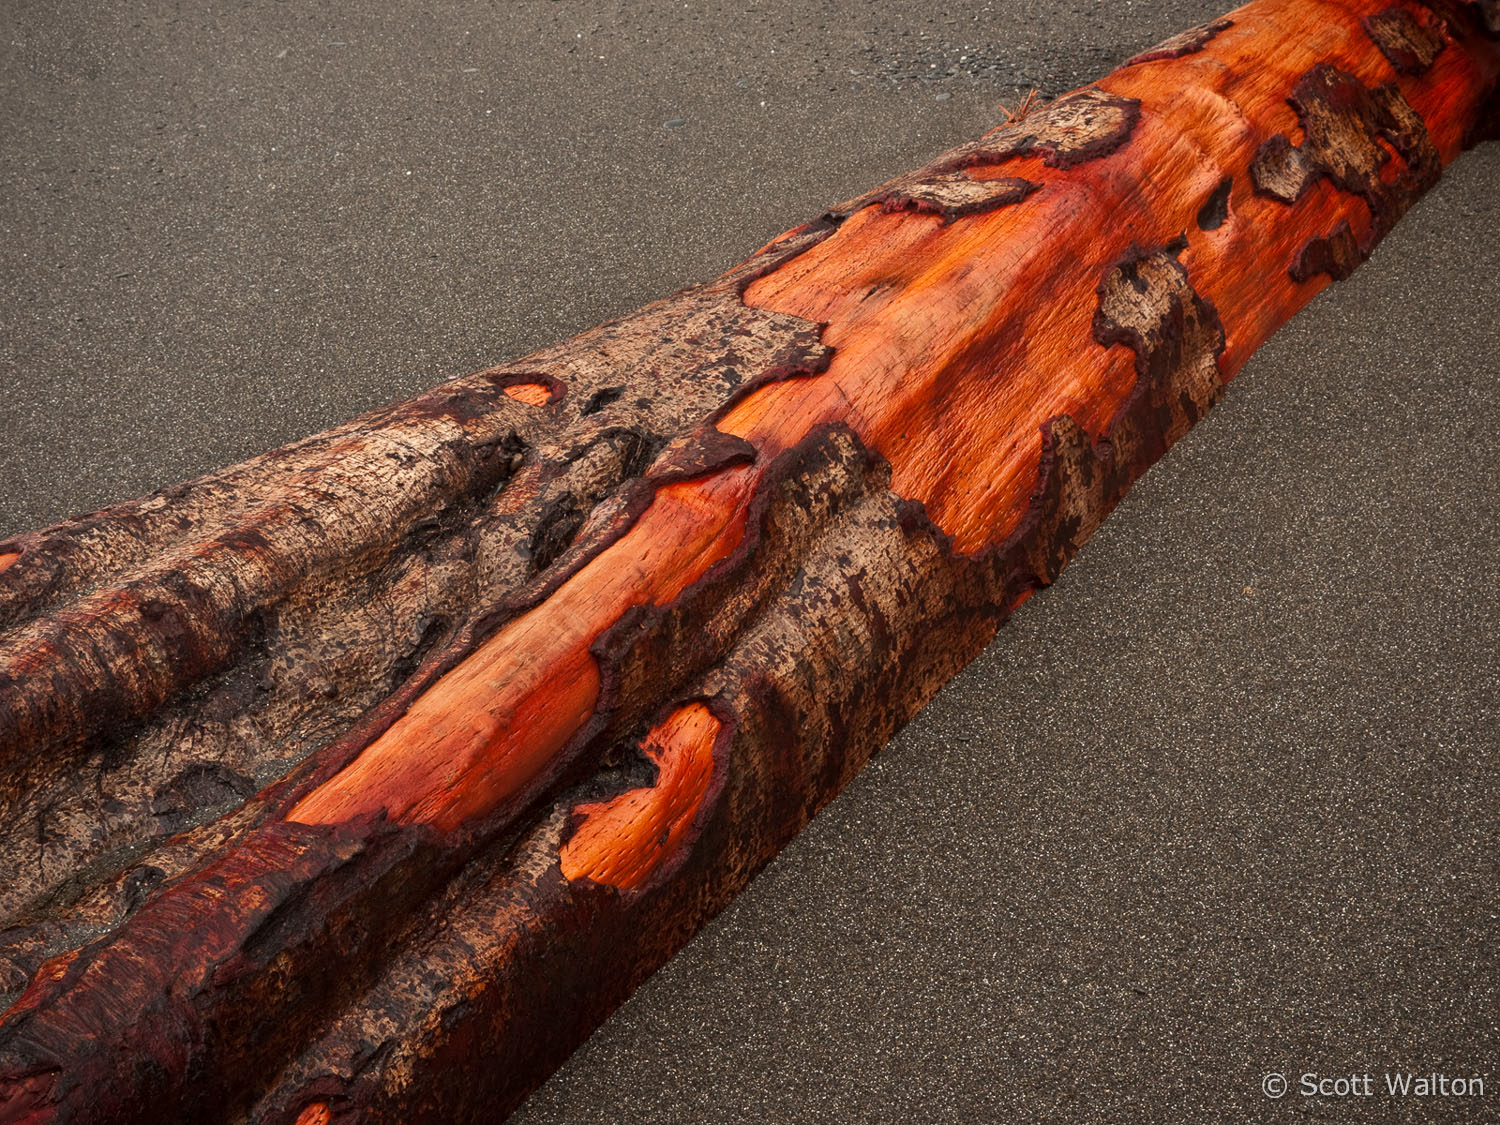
(534, 394)
(624, 840)
(433, 735)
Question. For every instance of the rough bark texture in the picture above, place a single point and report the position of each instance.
(424, 740)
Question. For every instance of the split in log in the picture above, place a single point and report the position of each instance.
(429, 737)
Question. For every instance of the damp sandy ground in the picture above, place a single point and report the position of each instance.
(1222, 803)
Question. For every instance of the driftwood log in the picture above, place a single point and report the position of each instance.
(364, 779)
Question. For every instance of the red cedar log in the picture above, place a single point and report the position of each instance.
(426, 739)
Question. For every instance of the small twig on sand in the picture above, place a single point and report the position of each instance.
(1027, 104)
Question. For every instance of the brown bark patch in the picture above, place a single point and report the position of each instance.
(1410, 46)
(954, 194)
(1078, 127)
(1070, 500)
(1183, 43)
(1352, 133)
(1281, 170)
(1148, 303)
(1336, 254)
(703, 451)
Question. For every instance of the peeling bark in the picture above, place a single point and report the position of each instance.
(431, 736)
(1077, 127)
(1410, 43)
(1188, 42)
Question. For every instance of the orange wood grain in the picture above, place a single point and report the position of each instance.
(533, 394)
